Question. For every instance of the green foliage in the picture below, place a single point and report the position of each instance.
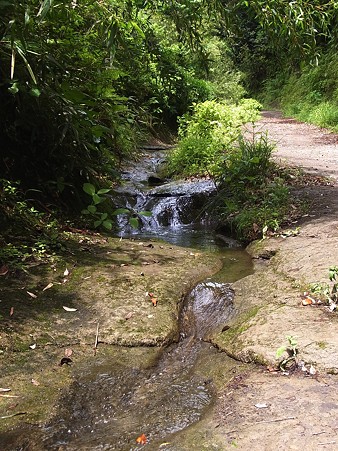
(28, 234)
(207, 135)
(311, 94)
(103, 219)
(251, 199)
(328, 291)
(291, 351)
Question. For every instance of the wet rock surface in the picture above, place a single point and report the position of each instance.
(255, 408)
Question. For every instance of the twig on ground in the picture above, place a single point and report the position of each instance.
(13, 415)
(96, 338)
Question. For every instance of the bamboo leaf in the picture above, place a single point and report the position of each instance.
(44, 8)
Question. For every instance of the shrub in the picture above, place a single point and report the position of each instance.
(208, 134)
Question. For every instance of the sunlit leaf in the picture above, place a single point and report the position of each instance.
(44, 8)
(280, 351)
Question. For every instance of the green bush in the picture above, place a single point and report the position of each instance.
(208, 134)
(250, 198)
(310, 95)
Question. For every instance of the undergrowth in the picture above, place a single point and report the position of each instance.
(253, 196)
(310, 94)
(28, 234)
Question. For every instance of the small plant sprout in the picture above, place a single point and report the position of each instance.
(288, 354)
(328, 291)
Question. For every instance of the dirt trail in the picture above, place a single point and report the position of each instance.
(266, 410)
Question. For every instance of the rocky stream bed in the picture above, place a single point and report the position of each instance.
(126, 358)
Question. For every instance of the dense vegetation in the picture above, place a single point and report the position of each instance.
(83, 83)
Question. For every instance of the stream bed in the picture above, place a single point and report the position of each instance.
(158, 392)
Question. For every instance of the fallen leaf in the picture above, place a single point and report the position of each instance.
(34, 382)
(154, 301)
(261, 405)
(66, 273)
(141, 440)
(48, 286)
(33, 346)
(151, 295)
(32, 295)
(307, 301)
(3, 270)
(129, 315)
(69, 309)
(11, 311)
(150, 316)
(4, 389)
(68, 352)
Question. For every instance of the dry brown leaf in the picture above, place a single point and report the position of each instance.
(32, 295)
(66, 272)
(154, 301)
(11, 311)
(141, 440)
(35, 382)
(307, 301)
(2, 390)
(129, 315)
(33, 346)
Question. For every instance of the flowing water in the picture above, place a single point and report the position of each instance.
(143, 390)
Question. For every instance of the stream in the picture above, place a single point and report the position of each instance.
(151, 391)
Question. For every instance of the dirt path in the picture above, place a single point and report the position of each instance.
(304, 145)
(267, 410)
